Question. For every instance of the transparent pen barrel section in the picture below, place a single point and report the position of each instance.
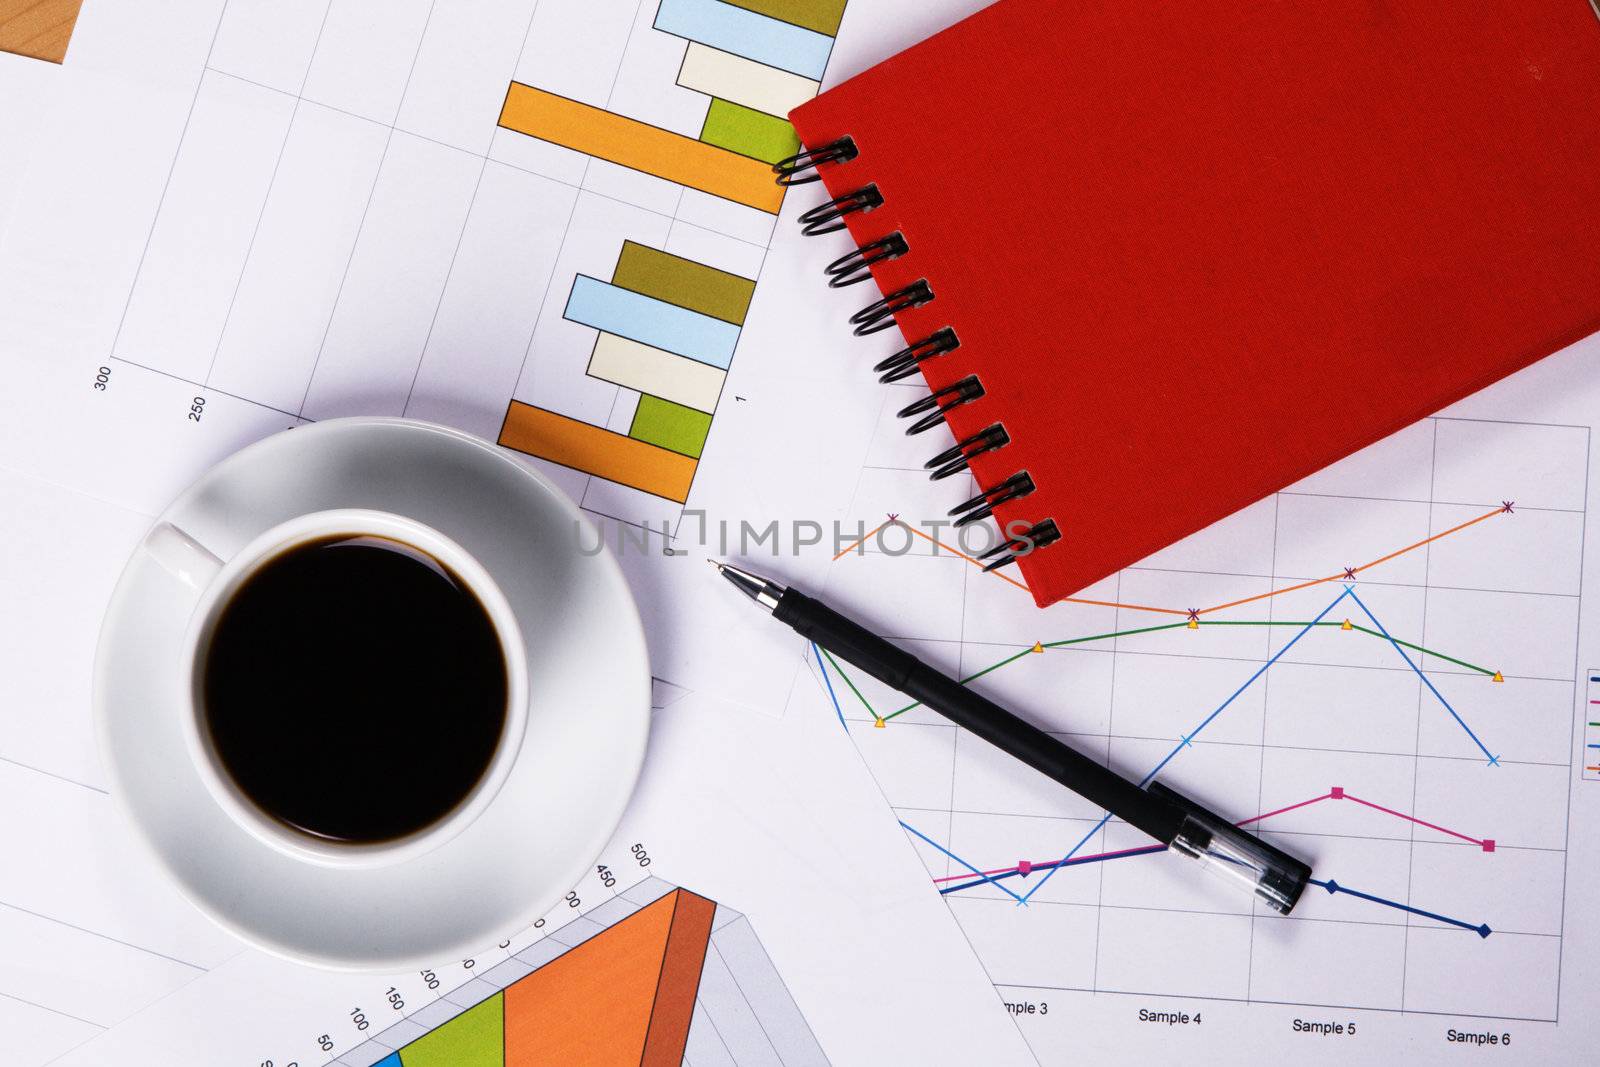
(1253, 865)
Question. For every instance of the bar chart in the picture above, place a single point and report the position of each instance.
(756, 59)
(666, 329)
(686, 133)
(657, 975)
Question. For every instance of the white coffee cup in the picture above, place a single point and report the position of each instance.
(217, 581)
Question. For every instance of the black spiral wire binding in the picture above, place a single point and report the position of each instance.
(829, 217)
(856, 265)
(933, 407)
(1036, 536)
(879, 315)
(801, 168)
(982, 505)
(928, 411)
(907, 361)
(954, 459)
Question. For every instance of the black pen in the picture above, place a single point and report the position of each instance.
(1169, 817)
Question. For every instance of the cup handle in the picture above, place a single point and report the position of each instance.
(181, 555)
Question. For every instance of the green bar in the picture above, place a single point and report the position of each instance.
(748, 132)
(820, 15)
(475, 1038)
(670, 426)
(683, 282)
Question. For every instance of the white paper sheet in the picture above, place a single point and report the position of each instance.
(26, 86)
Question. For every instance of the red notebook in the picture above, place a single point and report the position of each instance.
(1194, 252)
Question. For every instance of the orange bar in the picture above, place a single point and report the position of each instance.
(640, 146)
(623, 998)
(597, 451)
(679, 984)
(592, 1006)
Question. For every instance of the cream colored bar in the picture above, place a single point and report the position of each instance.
(650, 370)
(743, 81)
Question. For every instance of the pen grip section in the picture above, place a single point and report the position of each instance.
(848, 640)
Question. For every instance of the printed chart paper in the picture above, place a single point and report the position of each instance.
(521, 219)
(1386, 670)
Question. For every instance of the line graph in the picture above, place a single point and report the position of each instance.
(1280, 667)
(1023, 868)
(1040, 646)
(1505, 508)
(1187, 740)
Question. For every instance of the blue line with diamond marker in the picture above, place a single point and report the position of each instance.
(1482, 930)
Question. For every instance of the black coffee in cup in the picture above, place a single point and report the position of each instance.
(354, 689)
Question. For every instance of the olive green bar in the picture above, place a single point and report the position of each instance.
(820, 15)
(683, 282)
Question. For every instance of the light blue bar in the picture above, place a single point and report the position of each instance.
(746, 33)
(651, 322)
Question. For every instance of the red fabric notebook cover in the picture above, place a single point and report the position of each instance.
(1195, 252)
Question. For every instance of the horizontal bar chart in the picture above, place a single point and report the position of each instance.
(640, 146)
(666, 327)
(650, 370)
(594, 450)
(743, 81)
(671, 426)
(652, 322)
(747, 33)
(749, 132)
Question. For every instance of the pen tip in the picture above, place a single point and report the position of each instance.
(717, 563)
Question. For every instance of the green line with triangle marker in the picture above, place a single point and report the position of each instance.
(1040, 646)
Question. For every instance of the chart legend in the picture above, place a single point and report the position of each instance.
(1591, 727)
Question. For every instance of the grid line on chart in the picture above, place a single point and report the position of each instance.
(1416, 763)
(1577, 652)
(266, 197)
(366, 209)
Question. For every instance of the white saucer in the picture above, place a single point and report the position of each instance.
(588, 714)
